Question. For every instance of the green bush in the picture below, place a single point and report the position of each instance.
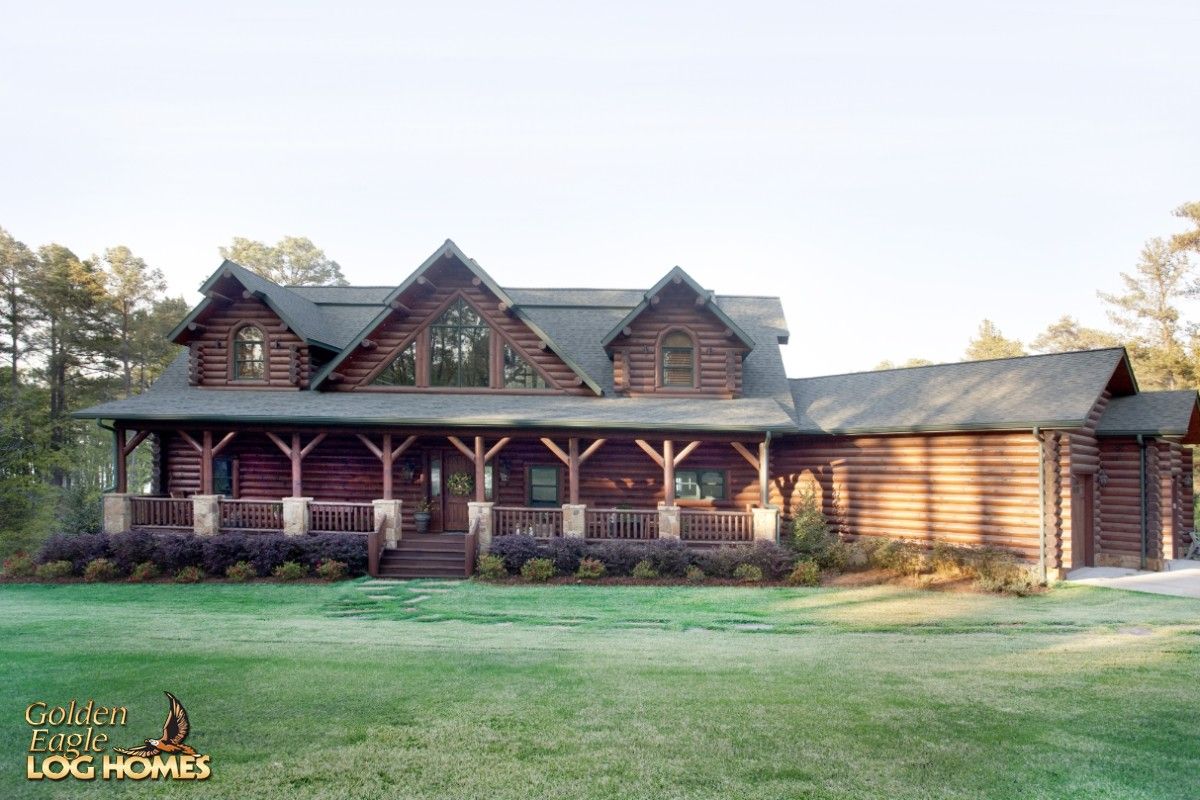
(805, 573)
(811, 536)
(904, 558)
(590, 569)
(290, 571)
(491, 568)
(644, 571)
(54, 570)
(694, 574)
(241, 572)
(1017, 580)
(189, 575)
(856, 556)
(100, 569)
(331, 570)
(19, 565)
(143, 571)
(538, 570)
(748, 573)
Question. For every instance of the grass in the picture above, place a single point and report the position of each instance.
(462, 690)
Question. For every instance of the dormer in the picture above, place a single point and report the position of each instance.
(449, 328)
(678, 342)
(250, 332)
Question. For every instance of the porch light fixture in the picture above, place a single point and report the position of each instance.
(408, 470)
(1102, 478)
(502, 469)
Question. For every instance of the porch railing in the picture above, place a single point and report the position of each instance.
(327, 517)
(161, 512)
(715, 526)
(620, 523)
(543, 523)
(252, 515)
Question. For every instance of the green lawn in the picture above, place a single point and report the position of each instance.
(467, 690)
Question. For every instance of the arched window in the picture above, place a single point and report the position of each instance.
(459, 346)
(249, 354)
(678, 360)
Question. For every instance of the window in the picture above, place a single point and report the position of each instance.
(543, 486)
(458, 347)
(435, 476)
(223, 469)
(519, 373)
(249, 349)
(678, 360)
(402, 371)
(691, 484)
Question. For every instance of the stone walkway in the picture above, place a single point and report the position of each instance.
(1180, 578)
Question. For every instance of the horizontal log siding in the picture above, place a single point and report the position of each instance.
(1120, 506)
(449, 278)
(222, 317)
(979, 489)
(638, 366)
(619, 473)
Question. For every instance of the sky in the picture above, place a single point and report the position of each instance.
(894, 171)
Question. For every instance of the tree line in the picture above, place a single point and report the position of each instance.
(1147, 317)
(76, 331)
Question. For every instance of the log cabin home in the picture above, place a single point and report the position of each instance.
(603, 413)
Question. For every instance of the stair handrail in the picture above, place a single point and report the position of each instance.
(470, 545)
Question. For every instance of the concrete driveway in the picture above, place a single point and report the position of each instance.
(1180, 578)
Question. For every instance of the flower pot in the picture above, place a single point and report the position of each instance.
(421, 520)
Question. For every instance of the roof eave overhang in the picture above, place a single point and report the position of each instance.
(981, 427)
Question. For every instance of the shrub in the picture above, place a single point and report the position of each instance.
(668, 556)
(694, 574)
(19, 565)
(54, 570)
(189, 574)
(805, 573)
(174, 551)
(515, 549)
(269, 552)
(241, 572)
(130, 548)
(538, 570)
(143, 572)
(904, 558)
(644, 571)
(748, 573)
(856, 556)
(811, 536)
(566, 553)
(590, 569)
(290, 571)
(769, 557)
(491, 568)
(100, 569)
(78, 549)
(1018, 580)
(332, 570)
(348, 548)
(618, 557)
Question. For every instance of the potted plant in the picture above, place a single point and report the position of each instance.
(422, 515)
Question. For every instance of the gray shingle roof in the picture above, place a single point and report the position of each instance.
(1157, 413)
(171, 398)
(1056, 390)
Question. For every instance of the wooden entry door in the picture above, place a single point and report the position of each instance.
(454, 507)
(1083, 539)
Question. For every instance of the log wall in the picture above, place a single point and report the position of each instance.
(635, 357)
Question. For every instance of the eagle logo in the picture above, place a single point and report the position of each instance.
(175, 730)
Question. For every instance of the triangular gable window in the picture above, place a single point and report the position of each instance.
(459, 345)
(402, 371)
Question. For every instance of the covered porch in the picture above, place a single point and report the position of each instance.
(702, 490)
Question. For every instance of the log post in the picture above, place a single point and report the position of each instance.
(206, 463)
(297, 477)
(668, 473)
(122, 466)
(764, 473)
(480, 494)
(573, 469)
(386, 456)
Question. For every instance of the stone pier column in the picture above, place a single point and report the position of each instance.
(573, 520)
(669, 522)
(387, 513)
(206, 514)
(295, 515)
(483, 512)
(766, 524)
(118, 512)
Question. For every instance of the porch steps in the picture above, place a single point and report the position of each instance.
(424, 555)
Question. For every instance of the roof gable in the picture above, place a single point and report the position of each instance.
(1173, 413)
(392, 303)
(704, 299)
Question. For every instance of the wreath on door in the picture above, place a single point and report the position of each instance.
(460, 484)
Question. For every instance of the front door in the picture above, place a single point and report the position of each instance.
(1082, 521)
(454, 506)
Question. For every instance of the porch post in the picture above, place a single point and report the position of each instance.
(388, 515)
(386, 456)
(206, 514)
(574, 520)
(295, 515)
(764, 472)
(122, 474)
(572, 469)
(297, 481)
(765, 524)
(480, 494)
(206, 464)
(669, 473)
(118, 512)
(483, 512)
